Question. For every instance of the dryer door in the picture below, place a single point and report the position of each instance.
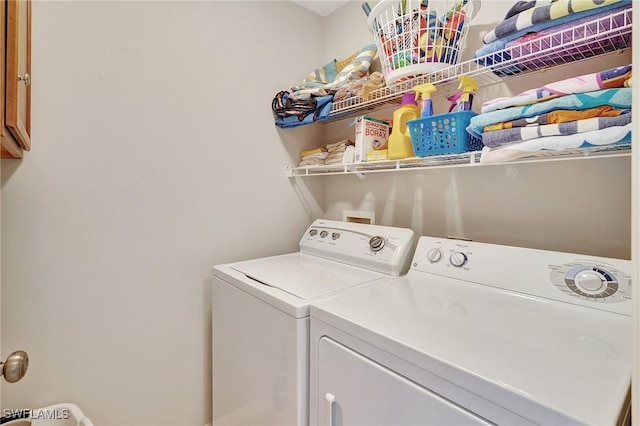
(353, 390)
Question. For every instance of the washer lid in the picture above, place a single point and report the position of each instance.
(304, 276)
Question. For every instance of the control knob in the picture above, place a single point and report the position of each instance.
(590, 281)
(458, 259)
(434, 255)
(376, 243)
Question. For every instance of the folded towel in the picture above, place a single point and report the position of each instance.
(557, 116)
(617, 98)
(331, 162)
(319, 156)
(608, 136)
(492, 53)
(343, 142)
(502, 137)
(608, 79)
(336, 154)
(311, 152)
(337, 150)
(546, 13)
(312, 162)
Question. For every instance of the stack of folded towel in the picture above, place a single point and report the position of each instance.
(528, 20)
(313, 157)
(340, 152)
(589, 110)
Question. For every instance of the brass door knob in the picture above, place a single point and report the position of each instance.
(15, 367)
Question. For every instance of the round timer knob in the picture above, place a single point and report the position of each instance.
(590, 281)
(376, 243)
(434, 255)
(458, 259)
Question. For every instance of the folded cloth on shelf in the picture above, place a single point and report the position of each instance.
(608, 79)
(339, 148)
(545, 13)
(313, 151)
(557, 116)
(608, 136)
(502, 137)
(585, 28)
(350, 74)
(312, 162)
(338, 145)
(494, 52)
(337, 155)
(318, 155)
(521, 6)
(617, 98)
(312, 100)
(319, 77)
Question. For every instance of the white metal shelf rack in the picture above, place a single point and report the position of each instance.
(593, 37)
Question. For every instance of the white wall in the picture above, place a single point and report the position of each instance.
(574, 206)
(155, 156)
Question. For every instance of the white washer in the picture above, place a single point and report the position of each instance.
(261, 316)
(477, 334)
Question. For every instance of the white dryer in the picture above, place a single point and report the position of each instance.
(261, 316)
(477, 334)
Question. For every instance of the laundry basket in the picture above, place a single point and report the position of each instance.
(419, 36)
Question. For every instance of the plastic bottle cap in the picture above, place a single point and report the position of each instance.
(409, 98)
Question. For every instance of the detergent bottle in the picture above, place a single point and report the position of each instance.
(399, 145)
(424, 91)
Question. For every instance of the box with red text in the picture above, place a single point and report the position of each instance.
(371, 135)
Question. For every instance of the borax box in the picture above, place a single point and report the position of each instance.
(371, 134)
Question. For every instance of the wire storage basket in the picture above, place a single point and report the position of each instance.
(443, 134)
(419, 36)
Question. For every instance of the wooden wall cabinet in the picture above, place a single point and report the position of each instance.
(15, 78)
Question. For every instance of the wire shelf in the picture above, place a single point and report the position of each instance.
(457, 160)
(594, 37)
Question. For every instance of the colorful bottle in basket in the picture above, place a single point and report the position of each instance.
(399, 145)
(424, 91)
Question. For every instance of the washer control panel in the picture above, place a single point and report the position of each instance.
(597, 282)
(383, 249)
(592, 281)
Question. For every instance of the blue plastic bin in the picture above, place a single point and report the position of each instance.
(443, 134)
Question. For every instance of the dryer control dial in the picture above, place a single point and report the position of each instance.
(590, 281)
(376, 243)
(458, 259)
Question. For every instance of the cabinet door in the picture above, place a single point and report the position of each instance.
(18, 71)
(354, 390)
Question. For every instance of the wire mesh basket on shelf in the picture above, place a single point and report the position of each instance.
(416, 37)
(443, 134)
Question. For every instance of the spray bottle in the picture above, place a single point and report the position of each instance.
(399, 145)
(424, 91)
(469, 87)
